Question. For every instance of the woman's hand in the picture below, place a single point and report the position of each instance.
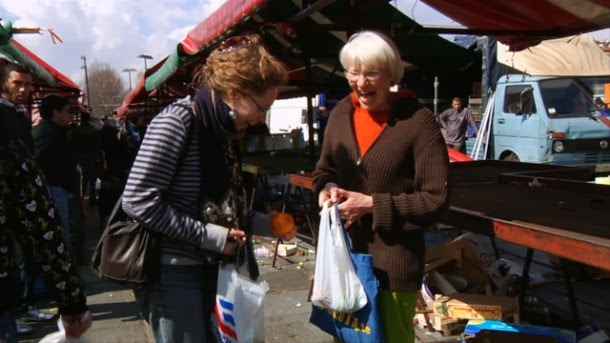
(329, 193)
(76, 325)
(354, 206)
(235, 237)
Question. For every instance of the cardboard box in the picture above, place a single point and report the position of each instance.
(517, 332)
(476, 306)
(286, 249)
(465, 262)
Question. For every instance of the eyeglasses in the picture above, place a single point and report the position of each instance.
(260, 108)
(368, 75)
(234, 43)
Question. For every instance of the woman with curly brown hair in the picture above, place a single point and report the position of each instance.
(182, 153)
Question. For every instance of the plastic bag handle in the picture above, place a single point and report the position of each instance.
(348, 240)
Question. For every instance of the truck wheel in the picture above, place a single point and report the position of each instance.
(512, 157)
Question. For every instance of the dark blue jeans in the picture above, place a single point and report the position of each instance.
(180, 304)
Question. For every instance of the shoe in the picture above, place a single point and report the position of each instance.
(22, 327)
(39, 315)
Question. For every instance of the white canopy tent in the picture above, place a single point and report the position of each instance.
(568, 56)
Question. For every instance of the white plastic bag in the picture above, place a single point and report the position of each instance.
(60, 336)
(336, 285)
(239, 305)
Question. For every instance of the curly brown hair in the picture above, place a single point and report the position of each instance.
(245, 67)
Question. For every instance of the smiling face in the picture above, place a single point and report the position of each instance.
(251, 109)
(371, 86)
(17, 87)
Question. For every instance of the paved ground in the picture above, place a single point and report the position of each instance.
(116, 316)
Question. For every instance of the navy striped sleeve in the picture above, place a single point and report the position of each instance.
(162, 195)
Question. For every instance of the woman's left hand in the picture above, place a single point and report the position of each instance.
(354, 206)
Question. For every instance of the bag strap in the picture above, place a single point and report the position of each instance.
(348, 240)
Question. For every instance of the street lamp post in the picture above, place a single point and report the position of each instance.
(129, 71)
(88, 92)
(145, 57)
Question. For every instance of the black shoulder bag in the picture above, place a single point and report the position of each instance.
(127, 253)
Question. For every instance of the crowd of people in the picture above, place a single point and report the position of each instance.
(383, 160)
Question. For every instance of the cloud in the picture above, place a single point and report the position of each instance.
(108, 31)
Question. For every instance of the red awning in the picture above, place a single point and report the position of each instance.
(62, 80)
(218, 23)
(520, 24)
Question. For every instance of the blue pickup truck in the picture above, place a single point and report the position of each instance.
(547, 120)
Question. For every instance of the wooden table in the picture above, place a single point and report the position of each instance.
(545, 208)
(261, 165)
(542, 207)
(558, 214)
(304, 180)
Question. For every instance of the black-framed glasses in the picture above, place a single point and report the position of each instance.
(234, 43)
(260, 108)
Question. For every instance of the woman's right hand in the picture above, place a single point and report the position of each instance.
(235, 237)
(329, 193)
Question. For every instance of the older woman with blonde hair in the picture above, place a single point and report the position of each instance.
(196, 203)
(385, 162)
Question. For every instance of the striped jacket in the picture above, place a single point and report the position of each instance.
(163, 195)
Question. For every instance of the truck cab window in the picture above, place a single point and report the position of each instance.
(567, 98)
(512, 99)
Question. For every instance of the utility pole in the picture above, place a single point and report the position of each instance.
(129, 71)
(145, 57)
(88, 92)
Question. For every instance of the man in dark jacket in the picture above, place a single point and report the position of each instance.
(53, 153)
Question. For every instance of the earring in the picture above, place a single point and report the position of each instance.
(233, 114)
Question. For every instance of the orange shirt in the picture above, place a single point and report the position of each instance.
(367, 125)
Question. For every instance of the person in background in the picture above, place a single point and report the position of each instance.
(113, 174)
(112, 151)
(455, 122)
(54, 154)
(322, 117)
(16, 83)
(29, 223)
(196, 203)
(385, 162)
(87, 149)
(131, 135)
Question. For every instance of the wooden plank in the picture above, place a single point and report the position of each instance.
(301, 180)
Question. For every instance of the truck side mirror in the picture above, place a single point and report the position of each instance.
(526, 101)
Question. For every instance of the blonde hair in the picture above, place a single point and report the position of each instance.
(245, 67)
(372, 49)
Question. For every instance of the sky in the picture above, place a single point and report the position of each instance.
(108, 31)
(117, 31)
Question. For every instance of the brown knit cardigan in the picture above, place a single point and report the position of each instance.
(406, 171)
